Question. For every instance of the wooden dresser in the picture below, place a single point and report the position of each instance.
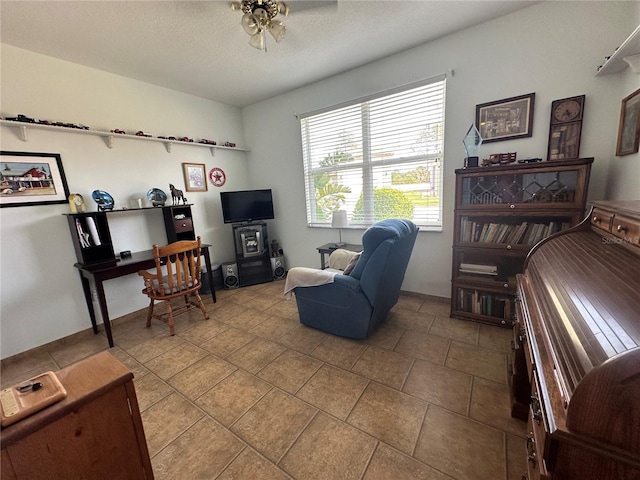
(94, 433)
(576, 350)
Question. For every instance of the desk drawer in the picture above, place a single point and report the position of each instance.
(184, 225)
(601, 219)
(626, 228)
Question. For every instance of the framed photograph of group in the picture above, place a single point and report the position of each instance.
(506, 119)
(32, 179)
(629, 128)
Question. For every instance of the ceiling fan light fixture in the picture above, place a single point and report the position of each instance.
(277, 30)
(258, 17)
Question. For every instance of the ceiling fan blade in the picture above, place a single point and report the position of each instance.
(303, 5)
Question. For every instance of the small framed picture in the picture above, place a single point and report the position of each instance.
(629, 128)
(195, 177)
(32, 179)
(506, 119)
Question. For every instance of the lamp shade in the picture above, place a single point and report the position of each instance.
(339, 219)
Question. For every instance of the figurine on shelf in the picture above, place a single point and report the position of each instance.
(177, 195)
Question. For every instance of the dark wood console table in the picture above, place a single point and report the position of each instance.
(113, 269)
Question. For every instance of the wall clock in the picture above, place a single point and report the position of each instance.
(217, 176)
(565, 128)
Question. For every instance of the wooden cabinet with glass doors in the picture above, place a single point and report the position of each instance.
(501, 212)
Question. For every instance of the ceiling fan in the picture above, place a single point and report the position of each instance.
(259, 17)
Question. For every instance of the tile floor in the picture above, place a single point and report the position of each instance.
(253, 394)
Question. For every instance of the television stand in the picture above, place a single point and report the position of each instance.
(252, 253)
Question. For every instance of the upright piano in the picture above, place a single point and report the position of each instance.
(576, 359)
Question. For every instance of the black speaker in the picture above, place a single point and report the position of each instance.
(230, 275)
(277, 268)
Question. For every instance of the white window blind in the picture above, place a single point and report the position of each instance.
(377, 158)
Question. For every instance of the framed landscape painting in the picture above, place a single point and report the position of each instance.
(629, 128)
(31, 179)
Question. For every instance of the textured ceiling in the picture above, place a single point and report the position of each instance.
(199, 47)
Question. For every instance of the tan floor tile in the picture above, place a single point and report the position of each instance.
(203, 331)
(383, 366)
(290, 370)
(36, 359)
(233, 396)
(70, 353)
(411, 319)
(150, 390)
(461, 330)
(480, 362)
(127, 338)
(284, 308)
(273, 327)
(203, 451)
(175, 360)
(261, 302)
(333, 390)
(166, 420)
(338, 351)
(388, 463)
(128, 361)
(460, 447)
(442, 309)
(439, 385)
(329, 449)
(153, 347)
(409, 302)
(516, 457)
(274, 423)
(198, 378)
(302, 338)
(389, 415)
(385, 336)
(497, 338)
(424, 346)
(251, 465)
(249, 319)
(491, 404)
(227, 342)
(255, 355)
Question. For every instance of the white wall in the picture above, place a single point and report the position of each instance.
(531, 50)
(528, 51)
(40, 292)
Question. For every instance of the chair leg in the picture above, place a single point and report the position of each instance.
(172, 327)
(201, 305)
(149, 313)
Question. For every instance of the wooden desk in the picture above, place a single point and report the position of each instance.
(330, 247)
(95, 432)
(108, 270)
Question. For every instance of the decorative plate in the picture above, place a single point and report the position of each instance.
(103, 199)
(157, 197)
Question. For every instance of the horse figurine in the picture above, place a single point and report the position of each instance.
(177, 195)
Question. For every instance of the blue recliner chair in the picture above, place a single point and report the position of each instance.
(355, 304)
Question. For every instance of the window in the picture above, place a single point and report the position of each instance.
(377, 158)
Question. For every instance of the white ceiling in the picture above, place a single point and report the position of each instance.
(200, 48)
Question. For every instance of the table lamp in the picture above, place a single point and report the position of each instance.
(339, 221)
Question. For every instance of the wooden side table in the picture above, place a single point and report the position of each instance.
(327, 248)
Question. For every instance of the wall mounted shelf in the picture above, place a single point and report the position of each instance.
(108, 137)
(616, 62)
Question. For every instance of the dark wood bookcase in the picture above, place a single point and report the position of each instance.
(500, 213)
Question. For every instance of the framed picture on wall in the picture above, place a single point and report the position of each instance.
(195, 177)
(629, 128)
(32, 179)
(506, 119)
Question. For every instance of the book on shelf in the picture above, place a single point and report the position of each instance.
(524, 233)
(82, 235)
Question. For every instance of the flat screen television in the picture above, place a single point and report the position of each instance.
(246, 206)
